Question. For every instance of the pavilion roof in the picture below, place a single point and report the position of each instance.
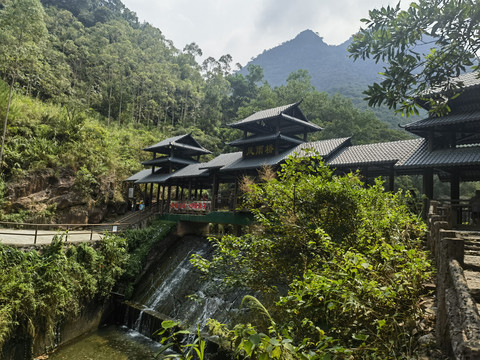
(289, 119)
(183, 145)
(222, 160)
(158, 176)
(423, 158)
(193, 170)
(261, 139)
(139, 175)
(161, 161)
(450, 119)
(370, 154)
(324, 148)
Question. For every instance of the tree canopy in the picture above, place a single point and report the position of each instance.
(422, 48)
(338, 267)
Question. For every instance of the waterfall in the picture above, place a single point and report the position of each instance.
(173, 289)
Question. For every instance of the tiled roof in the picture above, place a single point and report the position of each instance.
(222, 160)
(265, 114)
(469, 80)
(190, 171)
(168, 159)
(139, 175)
(465, 81)
(255, 139)
(157, 177)
(165, 142)
(387, 152)
(179, 142)
(324, 148)
(450, 119)
(254, 163)
(463, 156)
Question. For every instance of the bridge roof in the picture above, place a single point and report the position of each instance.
(380, 153)
(460, 156)
(139, 175)
(222, 160)
(324, 148)
(193, 170)
(157, 177)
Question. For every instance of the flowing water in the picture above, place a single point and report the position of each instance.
(175, 290)
(171, 289)
(108, 343)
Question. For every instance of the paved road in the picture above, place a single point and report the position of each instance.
(25, 237)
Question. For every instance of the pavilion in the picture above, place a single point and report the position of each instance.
(446, 146)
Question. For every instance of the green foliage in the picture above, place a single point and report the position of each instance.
(43, 287)
(139, 244)
(172, 340)
(344, 259)
(422, 46)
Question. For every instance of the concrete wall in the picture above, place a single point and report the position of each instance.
(24, 344)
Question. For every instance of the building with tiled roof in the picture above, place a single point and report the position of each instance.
(452, 141)
(448, 146)
(273, 131)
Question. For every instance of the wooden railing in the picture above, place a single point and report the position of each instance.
(458, 213)
(457, 318)
(69, 230)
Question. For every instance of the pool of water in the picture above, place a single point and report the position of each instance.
(112, 342)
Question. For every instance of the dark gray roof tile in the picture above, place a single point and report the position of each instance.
(222, 160)
(387, 153)
(450, 119)
(462, 156)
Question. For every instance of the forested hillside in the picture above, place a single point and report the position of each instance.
(91, 86)
(331, 68)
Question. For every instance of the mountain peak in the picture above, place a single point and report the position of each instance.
(309, 35)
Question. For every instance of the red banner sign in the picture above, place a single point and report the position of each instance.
(190, 205)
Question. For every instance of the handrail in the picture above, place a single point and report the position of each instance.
(79, 229)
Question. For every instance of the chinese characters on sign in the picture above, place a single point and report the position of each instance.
(259, 150)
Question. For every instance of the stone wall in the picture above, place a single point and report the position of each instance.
(25, 343)
(457, 325)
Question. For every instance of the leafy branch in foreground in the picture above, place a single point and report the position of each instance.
(338, 265)
(422, 47)
(173, 346)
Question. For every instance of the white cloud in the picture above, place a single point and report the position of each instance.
(245, 28)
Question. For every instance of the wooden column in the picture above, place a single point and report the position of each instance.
(391, 180)
(455, 187)
(158, 196)
(163, 199)
(169, 191)
(428, 183)
(235, 196)
(151, 194)
(214, 192)
(454, 198)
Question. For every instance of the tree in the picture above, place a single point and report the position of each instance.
(423, 47)
(338, 265)
(21, 40)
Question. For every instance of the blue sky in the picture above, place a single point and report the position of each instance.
(244, 28)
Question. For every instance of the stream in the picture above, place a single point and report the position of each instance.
(171, 289)
(108, 343)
